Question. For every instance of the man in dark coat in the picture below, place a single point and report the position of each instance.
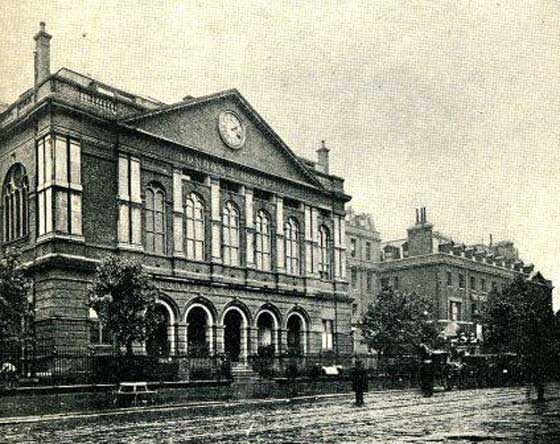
(359, 382)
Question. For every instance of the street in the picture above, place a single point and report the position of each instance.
(488, 415)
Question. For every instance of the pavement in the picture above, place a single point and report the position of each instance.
(489, 415)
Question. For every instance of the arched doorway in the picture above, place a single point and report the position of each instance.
(159, 341)
(266, 333)
(234, 336)
(199, 324)
(296, 333)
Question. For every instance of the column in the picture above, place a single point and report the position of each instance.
(249, 229)
(315, 237)
(253, 340)
(309, 261)
(339, 248)
(219, 328)
(283, 336)
(215, 220)
(178, 214)
(280, 253)
(245, 332)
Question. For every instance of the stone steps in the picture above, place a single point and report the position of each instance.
(243, 373)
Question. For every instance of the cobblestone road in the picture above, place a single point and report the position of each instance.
(489, 416)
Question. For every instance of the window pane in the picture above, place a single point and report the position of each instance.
(76, 214)
(75, 163)
(158, 223)
(48, 159)
(61, 159)
(124, 223)
(134, 180)
(48, 210)
(136, 226)
(61, 211)
(41, 162)
(123, 178)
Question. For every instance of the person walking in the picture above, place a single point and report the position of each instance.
(359, 382)
(9, 375)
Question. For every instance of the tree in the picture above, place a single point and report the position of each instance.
(14, 287)
(124, 297)
(521, 320)
(398, 323)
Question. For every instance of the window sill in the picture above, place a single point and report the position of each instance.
(60, 236)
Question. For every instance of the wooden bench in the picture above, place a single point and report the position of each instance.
(133, 392)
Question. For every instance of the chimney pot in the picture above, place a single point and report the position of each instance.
(42, 54)
(323, 158)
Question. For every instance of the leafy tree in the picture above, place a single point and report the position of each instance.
(521, 320)
(398, 323)
(14, 286)
(124, 297)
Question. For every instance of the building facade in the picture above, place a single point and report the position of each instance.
(363, 253)
(245, 240)
(459, 276)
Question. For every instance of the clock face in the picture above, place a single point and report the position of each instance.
(231, 129)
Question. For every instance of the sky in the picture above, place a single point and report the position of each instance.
(453, 105)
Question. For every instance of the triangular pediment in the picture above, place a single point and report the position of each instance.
(195, 123)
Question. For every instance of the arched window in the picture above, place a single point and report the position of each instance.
(155, 219)
(230, 234)
(195, 234)
(14, 198)
(262, 241)
(291, 233)
(325, 257)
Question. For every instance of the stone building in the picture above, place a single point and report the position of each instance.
(362, 247)
(458, 275)
(244, 238)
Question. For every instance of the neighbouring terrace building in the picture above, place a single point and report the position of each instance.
(458, 276)
(245, 239)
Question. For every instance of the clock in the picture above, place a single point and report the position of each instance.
(232, 130)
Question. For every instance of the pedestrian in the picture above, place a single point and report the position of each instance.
(426, 377)
(359, 382)
(9, 375)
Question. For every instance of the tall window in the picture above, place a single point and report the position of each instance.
(59, 185)
(354, 275)
(327, 336)
(368, 251)
(353, 247)
(325, 257)
(130, 203)
(230, 234)
(155, 219)
(14, 198)
(195, 234)
(454, 311)
(291, 233)
(461, 280)
(369, 284)
(262, 241)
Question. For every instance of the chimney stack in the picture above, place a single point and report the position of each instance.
(323, 158)
(42, 55)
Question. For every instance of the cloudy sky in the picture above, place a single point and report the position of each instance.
(454, 106)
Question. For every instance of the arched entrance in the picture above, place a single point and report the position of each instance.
(199, 331)
(266, 333)
(158, 342)
(296, 333)
(233, 334)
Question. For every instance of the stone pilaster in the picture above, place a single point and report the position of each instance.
(280, 253)
(249, 229)
(215, 220)
(178, 250)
